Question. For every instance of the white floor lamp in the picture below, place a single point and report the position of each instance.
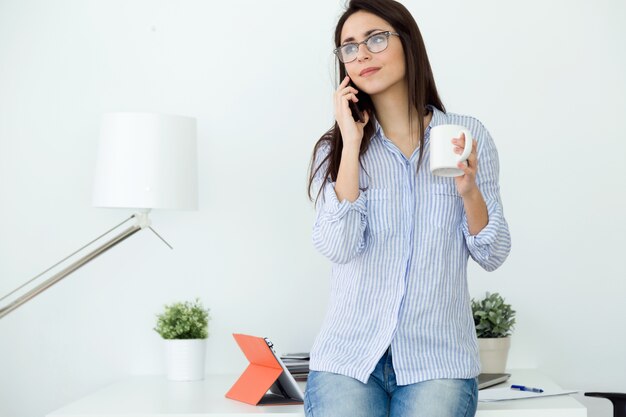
(145, 161)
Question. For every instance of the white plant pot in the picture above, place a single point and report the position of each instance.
(493, 354)
(185, 359)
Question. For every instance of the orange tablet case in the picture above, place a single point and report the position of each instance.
(259, 376)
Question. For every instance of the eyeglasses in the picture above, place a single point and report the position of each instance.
(375, 43)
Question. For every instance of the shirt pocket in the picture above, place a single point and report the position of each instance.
(447, 206)
(380, 210)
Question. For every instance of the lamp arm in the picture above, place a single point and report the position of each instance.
(71, 268)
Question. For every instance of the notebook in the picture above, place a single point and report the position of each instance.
(488, 380)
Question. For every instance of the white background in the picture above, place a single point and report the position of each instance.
(545, 78)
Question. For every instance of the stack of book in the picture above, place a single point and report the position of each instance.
(297, 364)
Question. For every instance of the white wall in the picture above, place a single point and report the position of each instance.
(546, 79)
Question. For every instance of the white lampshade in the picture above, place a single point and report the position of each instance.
(146, 161)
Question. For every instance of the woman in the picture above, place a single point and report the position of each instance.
(399, 337)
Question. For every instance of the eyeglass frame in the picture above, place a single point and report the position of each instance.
(387, 33)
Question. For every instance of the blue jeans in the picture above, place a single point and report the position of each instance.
(333, 395)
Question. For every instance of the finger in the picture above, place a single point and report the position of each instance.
(465, 168)
(472, 163)
(345, 82)
(473, 159)
(473, 156)
(342, 108)
(349, 89)
(346, 97)
(366, 118)
(473, 167)
(345, 91)
(459, 145)
(461, 137)
(460, 141)
(345, 105)
(350, 96)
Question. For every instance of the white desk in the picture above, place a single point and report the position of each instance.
(145, 396)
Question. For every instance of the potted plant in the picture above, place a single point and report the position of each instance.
(494, 321)
(185, 327)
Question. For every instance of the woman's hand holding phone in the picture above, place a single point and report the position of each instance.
(351, 130)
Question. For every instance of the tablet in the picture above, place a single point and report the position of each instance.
(488, 380)
(285, 385)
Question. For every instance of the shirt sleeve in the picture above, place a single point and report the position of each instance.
(492, 245)
(339, 228)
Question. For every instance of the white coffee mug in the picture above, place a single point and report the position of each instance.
(443, 160)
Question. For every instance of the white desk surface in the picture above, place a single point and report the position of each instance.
(144, 396)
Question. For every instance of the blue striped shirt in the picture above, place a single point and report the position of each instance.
(399, 254)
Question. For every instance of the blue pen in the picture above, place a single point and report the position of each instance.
(523, 388)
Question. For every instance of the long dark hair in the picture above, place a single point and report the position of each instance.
(421, 84)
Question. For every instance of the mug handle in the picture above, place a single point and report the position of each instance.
(468, 147)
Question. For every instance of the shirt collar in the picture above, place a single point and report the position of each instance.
(437, 119)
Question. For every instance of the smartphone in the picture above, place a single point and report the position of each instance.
(357, 114)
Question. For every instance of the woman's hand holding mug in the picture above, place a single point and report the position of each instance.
(453, 154)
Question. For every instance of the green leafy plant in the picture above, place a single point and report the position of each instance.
(493, 318)
(183, 320)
